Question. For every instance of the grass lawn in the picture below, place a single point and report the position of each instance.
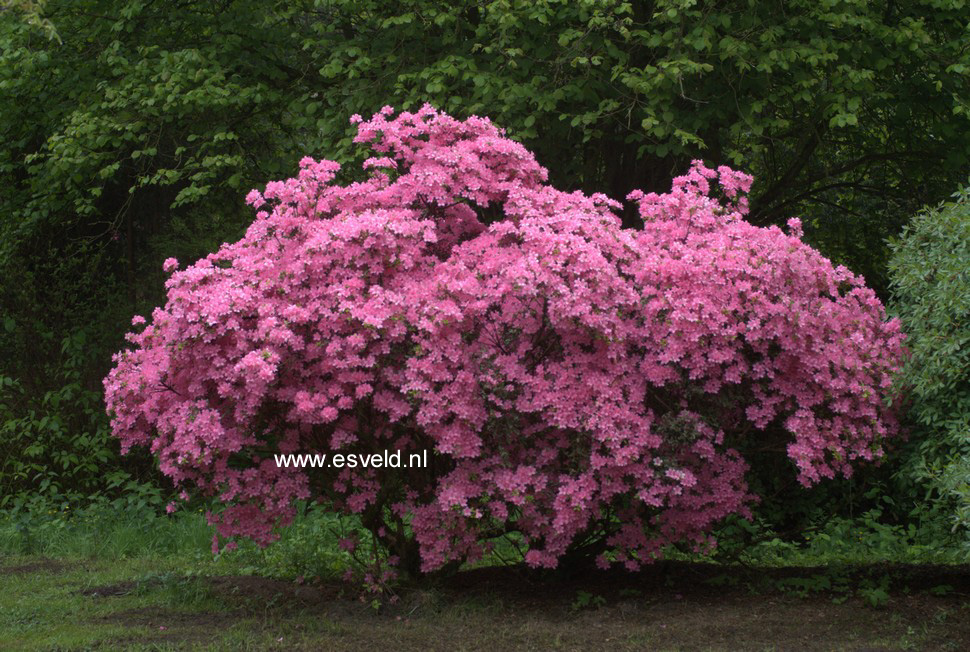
(162, 603)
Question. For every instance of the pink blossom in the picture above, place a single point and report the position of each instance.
(557, 367)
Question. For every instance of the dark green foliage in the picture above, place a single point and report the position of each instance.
(54, 437)
(132, 139)
(930, 271)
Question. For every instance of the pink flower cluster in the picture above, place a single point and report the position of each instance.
(574, 381)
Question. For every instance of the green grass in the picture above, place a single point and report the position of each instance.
(308, 547)
(173, 604)
(102, 532)
(109, 578)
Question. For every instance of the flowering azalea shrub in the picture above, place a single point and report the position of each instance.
(588, 387)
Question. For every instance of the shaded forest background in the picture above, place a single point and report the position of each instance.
(132, 130)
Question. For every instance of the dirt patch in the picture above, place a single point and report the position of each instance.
(39, 566)
(171, 619)
(109, 590)
(262, 595)
(169, 627)
(668, 606)
(252, 590)
(269, 592)
(678, 581)
(266, 590)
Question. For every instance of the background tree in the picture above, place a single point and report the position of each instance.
(128, 141)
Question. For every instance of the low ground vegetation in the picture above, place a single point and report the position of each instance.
(105, 578)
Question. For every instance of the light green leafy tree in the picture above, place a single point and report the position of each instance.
(930, 271)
